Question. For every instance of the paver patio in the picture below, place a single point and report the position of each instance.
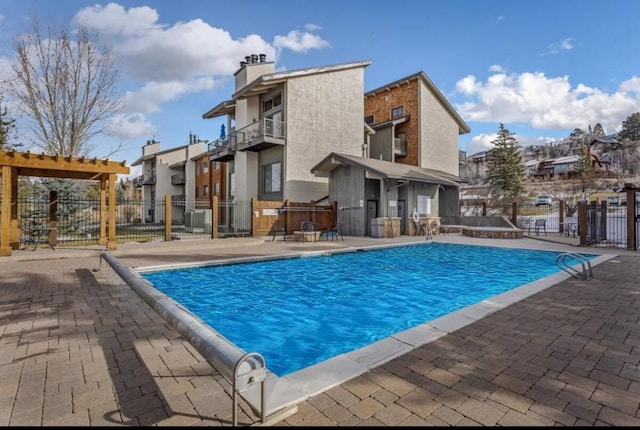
(79, 347)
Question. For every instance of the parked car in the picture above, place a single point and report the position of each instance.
(617, 200)
(613, 201)
(542, 200)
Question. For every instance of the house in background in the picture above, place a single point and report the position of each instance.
(280, 124)
(411, 162)
(169, 172)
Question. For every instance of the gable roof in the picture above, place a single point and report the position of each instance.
(566, 160)
(385, 169)
(462, 126)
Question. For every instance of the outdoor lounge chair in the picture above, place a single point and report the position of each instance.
(540, 225)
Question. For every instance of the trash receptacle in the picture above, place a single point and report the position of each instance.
(377, 227)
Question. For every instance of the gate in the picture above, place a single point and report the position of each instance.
(596, 223)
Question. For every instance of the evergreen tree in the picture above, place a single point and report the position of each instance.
(6, 125)
(583, 167)
(630, 128)
(506, 171)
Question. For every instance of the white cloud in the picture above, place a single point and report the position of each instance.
(496, 68)
(563, 45)
(631, 86)
(479, 143)
(312, 27)
(128, 127)
(298, 41)
(153, 94)
(163, 61)
(544, 102)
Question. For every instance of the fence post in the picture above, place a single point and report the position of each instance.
(252, 225)
(53, 218)
(561, 217)
(167, 218)
(514, 213)
(484, 208)
(631, 220)
(582, 222)
(103, 210)
(287, 203)
(603, 219)
(214, 217)
(14, 239)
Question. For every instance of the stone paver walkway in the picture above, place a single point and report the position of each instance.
(79, 347)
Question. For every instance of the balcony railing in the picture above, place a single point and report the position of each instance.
(261, 135)
(400, 147)
(178, 179)
(144, 180)
(223, 149)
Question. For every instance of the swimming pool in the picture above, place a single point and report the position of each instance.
(298, 312)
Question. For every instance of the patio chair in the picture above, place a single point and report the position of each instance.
(540, 225)
(308, 229)
(334, 233)
(570, 226)
(419, 228)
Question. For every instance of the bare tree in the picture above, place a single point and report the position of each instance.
(66, 88)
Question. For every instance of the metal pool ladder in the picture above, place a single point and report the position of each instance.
(586, 272)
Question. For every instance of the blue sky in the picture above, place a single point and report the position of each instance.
(542, 68)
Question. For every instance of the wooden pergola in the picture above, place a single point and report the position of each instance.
(14, 164)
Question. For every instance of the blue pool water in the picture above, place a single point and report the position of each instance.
(300, 311)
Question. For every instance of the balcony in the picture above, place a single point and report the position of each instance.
(144, 180)
(261, 135)
(178, 179)
(223, 149)
(400, 147)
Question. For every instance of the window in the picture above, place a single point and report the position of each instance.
(368, 119)
(271, 177)
(397, 111)
(216, 165)
(272, 103)
(197, 169)
(216, 188)
(206, 190)
(205, 166)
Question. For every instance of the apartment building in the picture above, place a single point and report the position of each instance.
(282, 123)
(409, 170)
(170, 172)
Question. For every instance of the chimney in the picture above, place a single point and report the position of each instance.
(263, 58)
(243, 63)
(254, 58)
(248, 59)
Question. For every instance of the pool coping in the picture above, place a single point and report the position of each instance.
(289, 390)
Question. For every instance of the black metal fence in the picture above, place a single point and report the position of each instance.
(77, 221)
(606, 224)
